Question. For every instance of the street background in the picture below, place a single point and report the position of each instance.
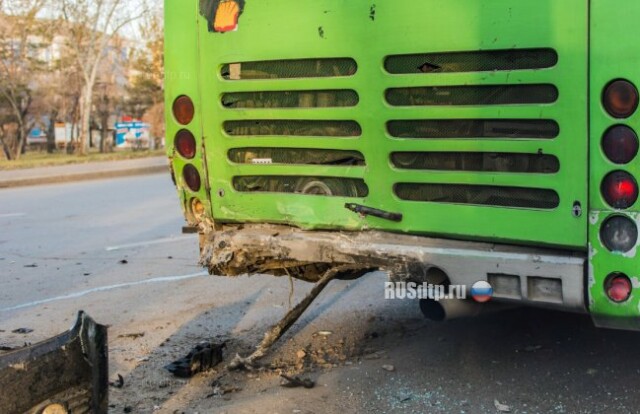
(114, 249)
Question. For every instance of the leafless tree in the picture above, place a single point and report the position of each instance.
(93, 26)
(22, 34)
(146, 90)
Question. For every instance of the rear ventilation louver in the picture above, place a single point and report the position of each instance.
(477, 161)
(474, 61)
(290, 99)
(295, 156)
(289, 69)
(286, 99)
(485, 195)
(474, 128)
(318, 186)
(490, 130)
(472, 95)
(288, 127)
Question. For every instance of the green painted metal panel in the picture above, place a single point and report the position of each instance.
(181, 78)
(615, 54)
(368, 33)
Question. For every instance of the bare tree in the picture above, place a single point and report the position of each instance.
(22, 36)
(146, 90)
(93, 26)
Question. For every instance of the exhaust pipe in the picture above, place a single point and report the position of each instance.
(449, 309)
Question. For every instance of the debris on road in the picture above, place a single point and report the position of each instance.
(34, 265)
(132, 335)
(374, 355)
(123, 262)
(22, 331)
(201, 358)
(119, 383)
(276, 332)
(502, 407)
(532, 348)
(389, 368)
(220, 390)
(322, 334)
(296, 382)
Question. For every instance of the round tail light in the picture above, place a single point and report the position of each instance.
(183, 110)
(186, 144)
(192, 177)
(620, 190)
(618, 287)
(619, 234)
(620, 144)
(197, 209)
(620, 99)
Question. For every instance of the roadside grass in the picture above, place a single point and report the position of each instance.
(43, 159)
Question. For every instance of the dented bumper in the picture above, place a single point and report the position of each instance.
(65, 374)
(532, 276)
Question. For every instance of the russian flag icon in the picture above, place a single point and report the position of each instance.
(482, 292)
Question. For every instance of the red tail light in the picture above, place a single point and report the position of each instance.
(620, 190)
(618, 287)
(620, 144)
(186, 144)
(620, 99)
(192, 177)
(183, 110)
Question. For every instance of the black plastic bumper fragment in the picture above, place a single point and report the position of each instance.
(68, 371)
(201, 358)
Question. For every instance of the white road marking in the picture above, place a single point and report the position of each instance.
(149, 243)
(166, 279)
(12, 215)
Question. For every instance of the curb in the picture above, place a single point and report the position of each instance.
(85, 176)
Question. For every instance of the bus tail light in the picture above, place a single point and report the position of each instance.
(192, 177)
(197, 209)
(619, 234)
(183, 110)
(618, 287)
(186, 144)
(620, 190)
(620, 99)
(620, 144)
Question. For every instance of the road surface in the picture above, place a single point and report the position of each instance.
(114, 249)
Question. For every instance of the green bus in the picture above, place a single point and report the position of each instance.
(442, 142)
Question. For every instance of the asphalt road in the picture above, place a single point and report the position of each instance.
(114, 249)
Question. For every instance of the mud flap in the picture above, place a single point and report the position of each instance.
(64, 374)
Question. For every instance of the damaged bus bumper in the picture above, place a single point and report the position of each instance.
(65, 374)
(531, 276)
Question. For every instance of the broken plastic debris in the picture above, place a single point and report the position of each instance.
(296, 382)
(23, 331)
(502, 407)
(119, 383)
(132, 335)
(220, 390)
(201, 358)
